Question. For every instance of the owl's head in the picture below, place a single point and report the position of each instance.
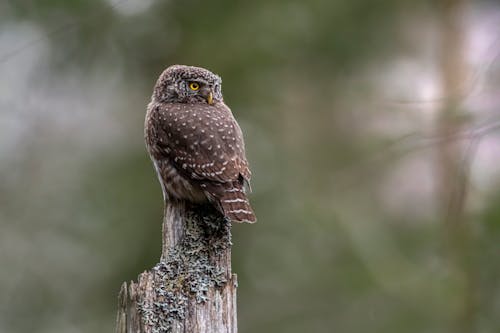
(188, 84)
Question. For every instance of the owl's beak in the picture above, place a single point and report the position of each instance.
(208, 94)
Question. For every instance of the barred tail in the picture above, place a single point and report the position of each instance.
(235, 205)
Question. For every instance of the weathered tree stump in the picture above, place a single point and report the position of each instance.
(192, 288)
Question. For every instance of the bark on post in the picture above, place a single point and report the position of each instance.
(191, 289)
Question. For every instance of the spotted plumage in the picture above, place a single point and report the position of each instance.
(196, 144)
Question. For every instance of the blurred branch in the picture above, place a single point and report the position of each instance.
(453, 162)
(468, 85)
(354, 174)
(59, 30)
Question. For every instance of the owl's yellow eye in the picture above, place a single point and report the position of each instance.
(194, 86)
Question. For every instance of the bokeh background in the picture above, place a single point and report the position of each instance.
(373, 132)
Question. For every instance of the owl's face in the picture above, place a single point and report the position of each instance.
(188, 84)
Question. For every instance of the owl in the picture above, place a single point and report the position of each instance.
(195, 143)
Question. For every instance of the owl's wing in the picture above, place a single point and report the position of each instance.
(204, 142)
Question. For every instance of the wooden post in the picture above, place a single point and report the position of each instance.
(191, 289)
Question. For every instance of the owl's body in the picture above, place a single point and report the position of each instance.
(196, 144)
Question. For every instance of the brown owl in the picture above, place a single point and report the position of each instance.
(196, 144)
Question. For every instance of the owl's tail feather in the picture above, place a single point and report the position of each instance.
(236, 207)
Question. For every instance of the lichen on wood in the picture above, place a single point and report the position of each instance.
(191, 289)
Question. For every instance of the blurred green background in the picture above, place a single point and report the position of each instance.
(372, 129)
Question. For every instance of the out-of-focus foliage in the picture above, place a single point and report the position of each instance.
(337, 99)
